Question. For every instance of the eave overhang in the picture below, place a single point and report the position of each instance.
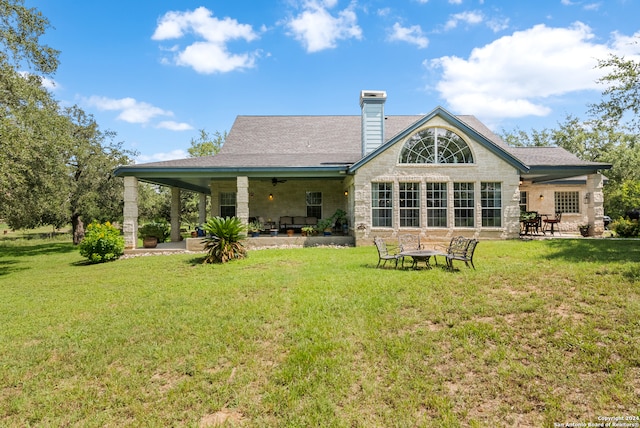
(541, 174)
(197, 179)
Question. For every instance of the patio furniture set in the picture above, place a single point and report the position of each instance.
(531, 222)
(460, 248)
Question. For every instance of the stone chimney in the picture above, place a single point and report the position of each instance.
(372, 104)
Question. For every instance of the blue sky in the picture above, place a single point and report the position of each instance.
(156, 72)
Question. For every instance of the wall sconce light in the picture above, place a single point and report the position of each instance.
(346, 193)
(587, 197)
(541, 197)
(271, 196)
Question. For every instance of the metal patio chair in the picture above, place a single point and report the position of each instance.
(384, 254)
(550, 223)
(462, 249)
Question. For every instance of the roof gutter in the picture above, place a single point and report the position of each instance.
(310, 171)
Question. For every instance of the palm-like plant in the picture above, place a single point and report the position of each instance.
(223, 240)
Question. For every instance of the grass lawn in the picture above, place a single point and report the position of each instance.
(542, 333)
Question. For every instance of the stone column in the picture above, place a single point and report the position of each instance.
(202, 208)
(595, 204)
(175, 214)
(215, 198)
(130, 213)
(242, 199)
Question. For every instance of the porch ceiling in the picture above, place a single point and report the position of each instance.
(198, 180)
(541, 174)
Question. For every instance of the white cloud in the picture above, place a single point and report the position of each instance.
(50, 84)
(47, 83)
(588, 6)
(592, 6)
(163, 156)
(131, 110)
(174, 126)
(471, 18)
(413, 35)
(627, 46)
(317, 29)
(515, 75)
(498, 24)
(211, 54)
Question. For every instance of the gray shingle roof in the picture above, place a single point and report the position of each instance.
(548, 156)
(317, 141)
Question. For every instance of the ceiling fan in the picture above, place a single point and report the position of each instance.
(275, 181)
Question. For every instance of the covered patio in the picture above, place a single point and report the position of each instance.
(258, 194)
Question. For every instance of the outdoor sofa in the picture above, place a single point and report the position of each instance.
(297, 222)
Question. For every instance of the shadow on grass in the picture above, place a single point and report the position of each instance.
(9, 266)
(40, 249)
(196, 261)
(87, 262)
(595, 250)
(13, 253)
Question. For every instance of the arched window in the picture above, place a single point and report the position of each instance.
(436, 145)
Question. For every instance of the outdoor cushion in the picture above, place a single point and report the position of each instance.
(299, 221)
(286, 220)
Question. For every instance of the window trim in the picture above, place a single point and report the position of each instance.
(443, 190)
(415, 208)
(471, 208)
(389, 200)
(484, 209)
(223, 204)
(430, 152)
(315, 206)
(573, 193)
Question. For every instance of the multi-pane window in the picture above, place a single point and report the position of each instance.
(314, 204)
(491, 200)
(227, 204)
(436, 145)
(409, 200)
(567, 202)
(524, 201)
(463, 205)
(382, 204)
(437, 204)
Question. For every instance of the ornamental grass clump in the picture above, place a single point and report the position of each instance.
(102, 243)
(223, 240)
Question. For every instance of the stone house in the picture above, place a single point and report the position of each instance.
(439, 175)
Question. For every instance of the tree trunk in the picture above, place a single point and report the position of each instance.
(78, 228)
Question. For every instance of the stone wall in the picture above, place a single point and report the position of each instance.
(289, 198)
(487, 168)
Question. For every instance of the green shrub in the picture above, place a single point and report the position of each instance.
(160, 230)
(102, 243)
(223, 240)
(626, 228)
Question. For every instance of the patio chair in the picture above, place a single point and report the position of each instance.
(550, 223)
(383, 253)
(409, 242)
(462, 249)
